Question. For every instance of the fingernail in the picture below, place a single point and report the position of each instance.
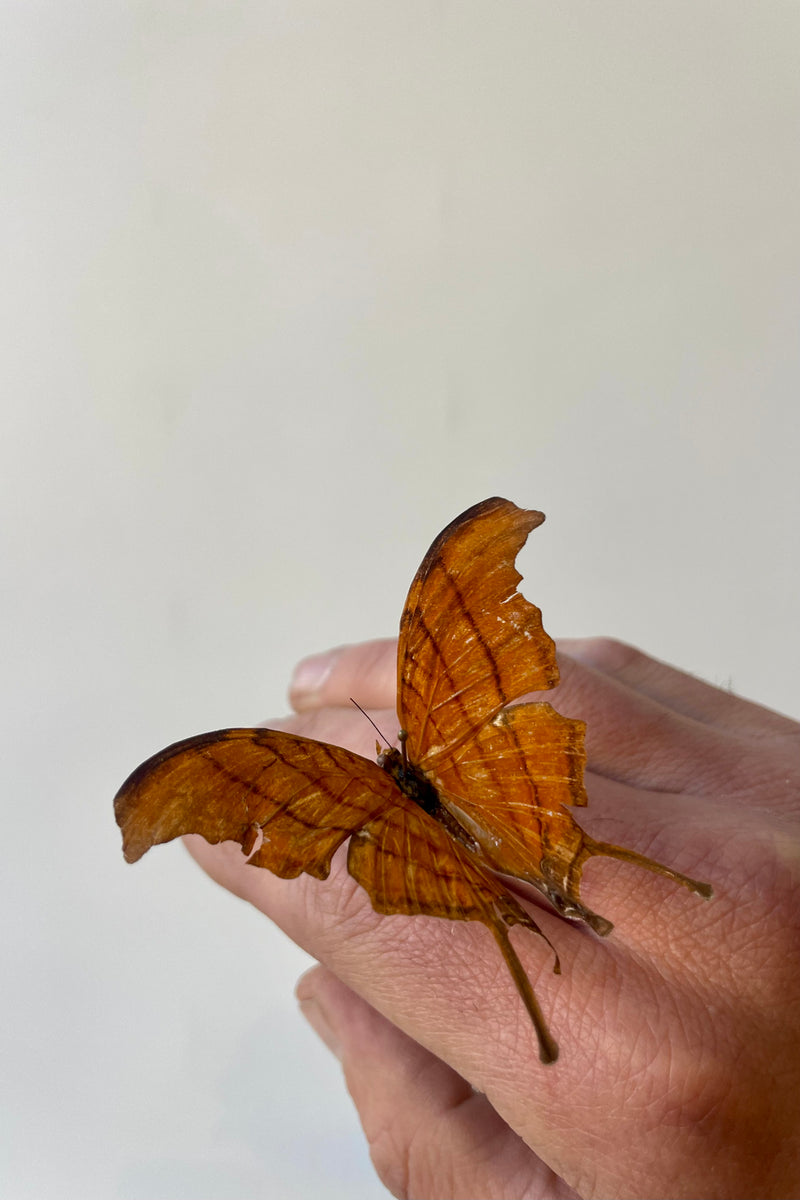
(310, 675)
(318, 1019)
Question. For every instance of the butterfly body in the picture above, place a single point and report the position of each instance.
(415, 784)
(483, 786)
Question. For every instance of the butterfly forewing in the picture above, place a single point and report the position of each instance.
(304, 797)
(469, 642)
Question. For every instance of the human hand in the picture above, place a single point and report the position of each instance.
(679, 1073)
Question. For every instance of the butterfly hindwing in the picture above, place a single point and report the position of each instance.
(407, 863)
(510, 784)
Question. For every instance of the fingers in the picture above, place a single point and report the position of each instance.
(648, 1027)
(429, 1133)
(631, 737)
(638, 740)
(369, 669)
(634, 1041)
(342, 726)
(365, 672)
(676, 690)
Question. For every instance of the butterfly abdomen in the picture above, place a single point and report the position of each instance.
(414, 784)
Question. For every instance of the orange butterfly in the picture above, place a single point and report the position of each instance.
(478, 787)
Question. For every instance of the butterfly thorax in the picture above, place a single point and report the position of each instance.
(414, 783)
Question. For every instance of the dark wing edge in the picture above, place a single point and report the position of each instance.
(299, 798)
(494, 505)
(469, 643)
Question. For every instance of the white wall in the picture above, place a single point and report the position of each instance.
(286, 287)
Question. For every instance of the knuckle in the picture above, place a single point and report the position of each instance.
(609, 654)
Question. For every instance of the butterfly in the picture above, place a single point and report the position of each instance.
(480, 787)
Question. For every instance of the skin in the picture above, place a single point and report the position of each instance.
(679, 1073)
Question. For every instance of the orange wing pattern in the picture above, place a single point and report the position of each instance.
(469, 643)
(304, 797)
(483, 786)
(407, 863)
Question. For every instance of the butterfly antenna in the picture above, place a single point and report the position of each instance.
(372, 723)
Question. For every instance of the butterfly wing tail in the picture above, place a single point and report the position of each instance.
(548, 1047)
(563, 878)
(591, 847)
(407, 863)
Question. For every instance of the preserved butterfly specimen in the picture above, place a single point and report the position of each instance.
(480, 787)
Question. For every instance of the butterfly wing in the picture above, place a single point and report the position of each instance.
(508, 784)
(526, 757)
(469, 645)
(469, 642)
(407, 863)
(303, 798)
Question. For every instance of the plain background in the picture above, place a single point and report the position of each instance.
(286, 286)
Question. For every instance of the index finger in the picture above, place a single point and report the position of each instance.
(631, 737)
(367, 672)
